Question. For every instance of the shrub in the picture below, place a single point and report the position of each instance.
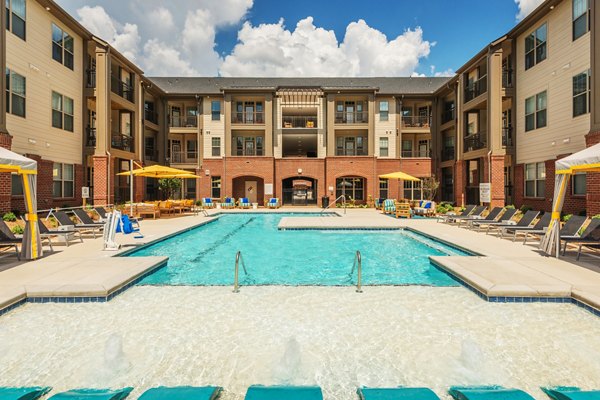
(10, 217)
(443, 208)
(510, 207)
(198, 203)
(566, 217)
(525, 208)
(17, 230)
(597, 216)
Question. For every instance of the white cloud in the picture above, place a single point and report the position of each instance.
(161, 20)
(273, 50)
(165, 60)
(526, 6)
(447, 73)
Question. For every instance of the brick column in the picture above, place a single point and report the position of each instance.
(497, 181)
(5, 179)
(593, 180)
(460, 182)
(139, 187)
(101, 191)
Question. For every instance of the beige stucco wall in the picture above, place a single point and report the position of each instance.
(33, 59)
(565, 59)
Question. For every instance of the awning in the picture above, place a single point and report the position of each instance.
(400, 175)
(587, 160)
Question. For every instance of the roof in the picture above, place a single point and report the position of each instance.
(216, 85)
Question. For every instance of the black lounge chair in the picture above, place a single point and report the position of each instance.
(101, 211)
(504, 219)
(477, 211)
(45, 232)
(8, 240)
(64, 220)
(83, 216)
(492, 216)
(468, 209)
(540, 226)
(569, 229)
(526, 220)
(590, 237)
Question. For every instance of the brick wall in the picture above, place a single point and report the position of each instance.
(460, 182)
(593, 180)
(497, 195)
(237, 167)
(311, 168)
(5, 179)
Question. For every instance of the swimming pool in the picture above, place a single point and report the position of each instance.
(206, 255)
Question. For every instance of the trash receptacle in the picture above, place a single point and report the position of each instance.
(325, 201)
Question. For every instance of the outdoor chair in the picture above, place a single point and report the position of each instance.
(399, 393)
(244, 203)
(68, 234)
(504, 219)
(403, 210)
(589, 237)
(64, 220)
(475, 214)
(83, 216)
(540, 226)
(389, 206)
(569, 229)
(273, 203)
(525, 221)
(8, 240)
(570, 393)
(491, 392)
(492, 216)
(207, 202)
(228, 203)
(259, 392)
(181, 393)
(425, 207)
(468, 209)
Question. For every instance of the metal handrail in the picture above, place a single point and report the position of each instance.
(357, 264)
(236, 283)
(335, 202)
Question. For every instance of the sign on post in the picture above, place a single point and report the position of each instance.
(485, 195)
(268, 189)
(85, 192)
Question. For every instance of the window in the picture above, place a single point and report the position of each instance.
(215, 108)
(63, 177)
(535, 180)
(191, 146)
(351, 112)
(579, 184)
(407, 146)
(62, 47)
(15, 93)
(351, 146)
(15, 17)
(383, 147)
(215, 187)
(62, 112)
(581, 18)
(190, 188)
(535, 47)
(383, 188)
(581, 94)
(383, 110)
(16, 187)
(216, 146)
(248, 146)
(249, 112)
(535, 111)
(350, 187)
(412, 190)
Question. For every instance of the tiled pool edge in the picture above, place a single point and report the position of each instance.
(516, 299)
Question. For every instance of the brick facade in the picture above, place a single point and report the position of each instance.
(5, 179)
(593, 180)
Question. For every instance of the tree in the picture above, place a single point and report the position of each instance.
(169, 186)
(430, 187)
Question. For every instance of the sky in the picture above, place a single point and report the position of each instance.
(299, 38)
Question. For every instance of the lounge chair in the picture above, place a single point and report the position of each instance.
(93, 394)
(23, 393)
(68, 234)
(389, 206)
(571, 393)
(147, 209)
(487, 393)
(379, 203)
(590, 237)
(182, 393)
(426, 207)
(244, 203)
(102, 213)
(475, 214)
(468, 209)
(166, 207)
(403, 210)
(229, 203)
(8, 240)
(399, 393)
(525, 221)
(492, 216)
(540, 226)
(207, 202)
(64, 220)
(83, 216)
(257, 392)
(569, 229)
(273, 203)
(505, 218)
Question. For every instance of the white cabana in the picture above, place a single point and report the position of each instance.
(587, 160)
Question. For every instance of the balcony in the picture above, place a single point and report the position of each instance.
(507, 78)
(507, 136)
(151, 154)
(475, 141)
(299, 121)
(121, 142)
(90, 137)
(123, 89)
(448, 153)
(416, 121)
(255, 117)
(352, 117)
(448, 115)
(416, 153)
(190, 121)
(476, 88)
(151, 116)
(90, 78)
(184, 157)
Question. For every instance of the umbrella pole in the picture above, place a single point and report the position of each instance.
(131, 187)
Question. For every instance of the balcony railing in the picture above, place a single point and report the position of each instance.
(416, 153)
(121, 88)
(448, 153)
(90, 78)
(151, 116)
(122, 142)
(181, 157)
(448, 115)
(90, 137)
(151, 154)
(350, 117)
(476, 88)
(190, 121)
(507, 78)
(299, 121)
(416, 121)
(247, 117)
(475, 141)
(507, 136)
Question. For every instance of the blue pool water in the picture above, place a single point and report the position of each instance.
(206, 255)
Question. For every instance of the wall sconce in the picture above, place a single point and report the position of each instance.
(299, 171)
(207, 172)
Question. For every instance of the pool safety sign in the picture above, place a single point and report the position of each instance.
(85, 192)
(485, 190)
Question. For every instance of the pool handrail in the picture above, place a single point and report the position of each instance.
(357, 264)
(236, 283)
(343, 197)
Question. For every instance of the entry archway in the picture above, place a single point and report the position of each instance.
(299, 191)
(252, 187)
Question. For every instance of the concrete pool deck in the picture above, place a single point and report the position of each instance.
(502, 269)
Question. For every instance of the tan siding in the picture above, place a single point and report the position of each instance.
(33, 59)
(386, 128)
(566, 58)
(213, 128)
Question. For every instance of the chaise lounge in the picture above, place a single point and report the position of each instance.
(182, 393)
(487, 393)
(93, 394)
(23, 393)
(399, 393)
(273, 203)
(64, 220)
(258, 392)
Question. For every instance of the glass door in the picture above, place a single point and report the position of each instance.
(249, 146)
(349, 112)
(350, 146)
(249, 113)
(176, 151)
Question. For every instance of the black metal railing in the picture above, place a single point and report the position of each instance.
(448, 153)
(507, 78)
(123, 89)
(247, 117)
(190, 121)
(151, 116)
(507, 136)
(121, 142)
(416, 121)
(448, 115)
(475, 141)
(90, 137)
(351, 117)
(299, 121)
(416, 153)
(90, 78)
(476, 88)
(184, 157)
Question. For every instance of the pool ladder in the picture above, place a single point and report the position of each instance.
(236, 282)
(342, 197)
(358, 265)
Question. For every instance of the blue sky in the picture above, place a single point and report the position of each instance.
(308, 38)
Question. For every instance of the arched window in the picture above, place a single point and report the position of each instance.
(351, 187)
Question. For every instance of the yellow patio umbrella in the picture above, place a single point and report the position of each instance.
(402, 176)
(158, 171)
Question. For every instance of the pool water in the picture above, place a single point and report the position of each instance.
(206, 255)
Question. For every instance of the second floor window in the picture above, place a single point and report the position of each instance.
(62, 112)
(535, 111)
(579, 184)
(215, 187)
(383, 147)
(62, 47)
(215, 109)
(63, 177)
(15, 93)
(216, 147)
(191, 148)
(581, 94)
(15, 17)
(351, 146)
(535, 47)
(383, 110)
(248, 146)
(581, 18)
